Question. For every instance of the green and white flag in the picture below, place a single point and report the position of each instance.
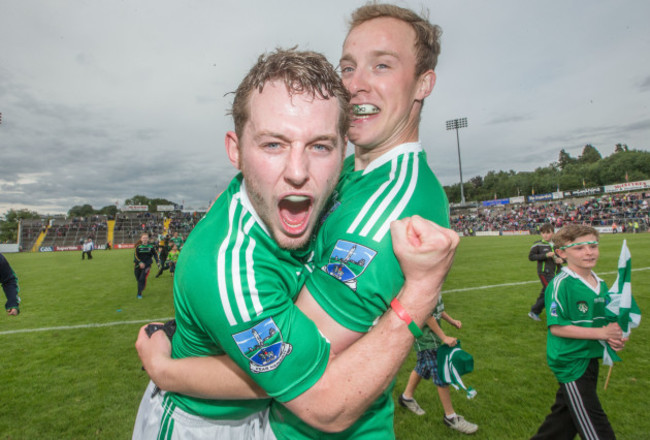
(453, 362)
(622, 305)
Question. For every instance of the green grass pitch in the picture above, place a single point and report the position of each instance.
(69, 369)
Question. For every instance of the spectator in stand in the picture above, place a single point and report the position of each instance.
(9, 282)
(145, 254)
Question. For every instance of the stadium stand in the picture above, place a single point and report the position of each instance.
(74, 231)
(30, 230)
(623, 210)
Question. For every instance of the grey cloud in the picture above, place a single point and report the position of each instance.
(510, 119)
(645, 84)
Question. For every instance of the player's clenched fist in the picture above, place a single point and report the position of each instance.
(425, 250)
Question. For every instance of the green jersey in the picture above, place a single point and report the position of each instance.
(233, 294)
(145, 253)
(571, 301)
(173, 256)
(178, 241)
(357, 274)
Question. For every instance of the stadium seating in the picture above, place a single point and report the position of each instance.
(624, 210)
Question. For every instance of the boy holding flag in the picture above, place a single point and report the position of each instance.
(577, 320)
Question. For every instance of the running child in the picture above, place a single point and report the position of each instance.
(548, 265)
(172, 258)
(143, 258)
(426, 346)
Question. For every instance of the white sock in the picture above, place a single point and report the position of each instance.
(450, 416)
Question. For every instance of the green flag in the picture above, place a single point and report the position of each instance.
(453, 362)
(622, 305)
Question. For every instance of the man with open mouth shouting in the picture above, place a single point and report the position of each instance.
(246, 261)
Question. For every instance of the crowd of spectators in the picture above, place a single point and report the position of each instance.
(130, 226)
(627, 212)
(185, 222)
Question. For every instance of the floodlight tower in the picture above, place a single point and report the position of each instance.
(455, 124)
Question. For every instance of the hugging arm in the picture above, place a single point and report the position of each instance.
(356, 374)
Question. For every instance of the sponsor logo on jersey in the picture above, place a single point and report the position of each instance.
(348, 261)
(582, 307)
(553, 309)
(263, 346)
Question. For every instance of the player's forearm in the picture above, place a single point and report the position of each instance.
(212, 377)
(576, 332)
(357, 377)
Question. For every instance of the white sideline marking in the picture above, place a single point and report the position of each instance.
(74, 327)
(523, 282)
(142, 321)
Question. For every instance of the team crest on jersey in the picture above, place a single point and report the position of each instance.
(582, 307)
(348, 261)
(553, 310)
(263, 346)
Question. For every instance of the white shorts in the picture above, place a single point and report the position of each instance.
(154, 421)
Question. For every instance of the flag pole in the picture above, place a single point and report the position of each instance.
(609, 374)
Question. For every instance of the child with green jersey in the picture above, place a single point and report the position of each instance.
(433, 337)
(172, 258)
(575, 304)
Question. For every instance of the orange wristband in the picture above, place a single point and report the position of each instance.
(404, 316)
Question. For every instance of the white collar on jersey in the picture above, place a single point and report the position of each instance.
(575, 275)
(246, 202)
(409, 147)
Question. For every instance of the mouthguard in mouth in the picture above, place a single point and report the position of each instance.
(364, 109)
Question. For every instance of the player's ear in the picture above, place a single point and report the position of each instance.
(232, 148)
(425, 85)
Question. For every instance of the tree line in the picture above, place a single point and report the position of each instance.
(588, 170)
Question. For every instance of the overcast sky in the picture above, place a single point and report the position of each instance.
(103, 100)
